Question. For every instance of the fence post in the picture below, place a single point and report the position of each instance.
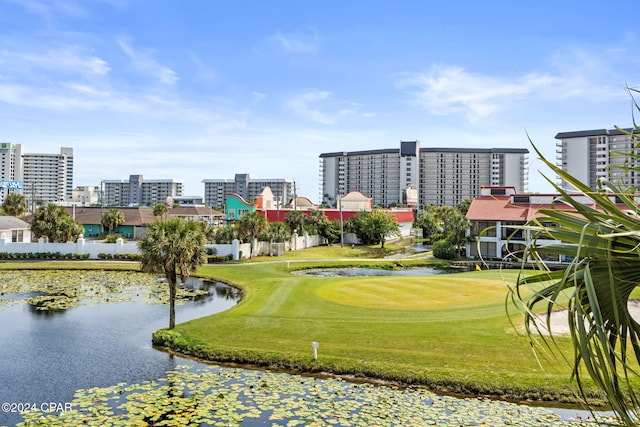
(235, 249)
(80, 245)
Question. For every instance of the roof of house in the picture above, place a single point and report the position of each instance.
(193, 210)
(274, 215)
(302, 202)
(93, 215)
(355, 196)
(501, 208)
(12, 223)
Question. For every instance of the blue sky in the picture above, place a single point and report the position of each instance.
(195, 90)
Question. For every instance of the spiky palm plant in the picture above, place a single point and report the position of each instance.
(601, 240)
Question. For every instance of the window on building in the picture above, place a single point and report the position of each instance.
(17, 235)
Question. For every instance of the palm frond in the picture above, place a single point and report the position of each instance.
(602, 243)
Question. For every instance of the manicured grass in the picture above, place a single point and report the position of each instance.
(449, 332)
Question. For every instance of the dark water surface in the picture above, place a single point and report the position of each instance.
(46, 356)
(367, 271)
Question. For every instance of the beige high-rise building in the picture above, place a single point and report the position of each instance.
(48, 177)
(137, 191)
(247, 188)
(415, 177)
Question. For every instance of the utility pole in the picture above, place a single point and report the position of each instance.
(295, 196)
(339, 200)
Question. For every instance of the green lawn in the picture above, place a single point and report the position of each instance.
(449, 332)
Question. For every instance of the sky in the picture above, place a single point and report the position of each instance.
(202, 89)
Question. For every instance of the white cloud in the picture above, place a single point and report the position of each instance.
(63, 59)
(48, 9)
(308, 104)
(594, 73)
(146, 63)
(448, 90)
(296, 43)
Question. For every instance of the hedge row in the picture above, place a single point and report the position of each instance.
(122, 257)
(41, 255)
(212, 259)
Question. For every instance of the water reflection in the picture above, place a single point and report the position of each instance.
(366, 271)
(45, 356)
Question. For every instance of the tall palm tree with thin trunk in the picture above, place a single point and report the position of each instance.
(601, 242)
(175, 248)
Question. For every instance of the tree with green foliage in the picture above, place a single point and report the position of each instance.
(278, 232)
(374, 227)
(296, 221)
(464, 205)
(315, 221)
(111, 219)
(455, 227)
(55, 224)
(225, 235)
(600, 242)
(160, 210)
(443, 249)
(330, 230)
(430, 223)
(444, 222)
(250, 226)
(15, 204)
(175, 248)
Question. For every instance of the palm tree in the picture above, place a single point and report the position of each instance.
(112, 218)
(160, 210)
(278, 232)
(251, 225)
(601, 243)
(174, 247)
(15, 204)
(296, 221)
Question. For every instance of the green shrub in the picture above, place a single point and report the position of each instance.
(444, 250)
(111, 238)
(212, 259)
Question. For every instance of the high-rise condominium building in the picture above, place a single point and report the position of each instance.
(247, 188)
(592, 154)
(10, 165)
(139, 192)
(417, 176)
(48, 177)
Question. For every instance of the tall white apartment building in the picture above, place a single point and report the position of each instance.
(10, 165)
(45, 178)
(591, 154)
(416, 177)
(246, 187)
(48, 177)
(137, 191)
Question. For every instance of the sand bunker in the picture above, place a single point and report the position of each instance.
(560, 323)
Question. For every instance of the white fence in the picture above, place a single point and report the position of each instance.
(236, 249)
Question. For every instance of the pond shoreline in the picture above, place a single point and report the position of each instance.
(575, 404)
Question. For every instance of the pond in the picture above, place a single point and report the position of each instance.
(96, 358)
(368, 271)
(45, 356)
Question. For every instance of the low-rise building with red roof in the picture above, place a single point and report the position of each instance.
(497, 214)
